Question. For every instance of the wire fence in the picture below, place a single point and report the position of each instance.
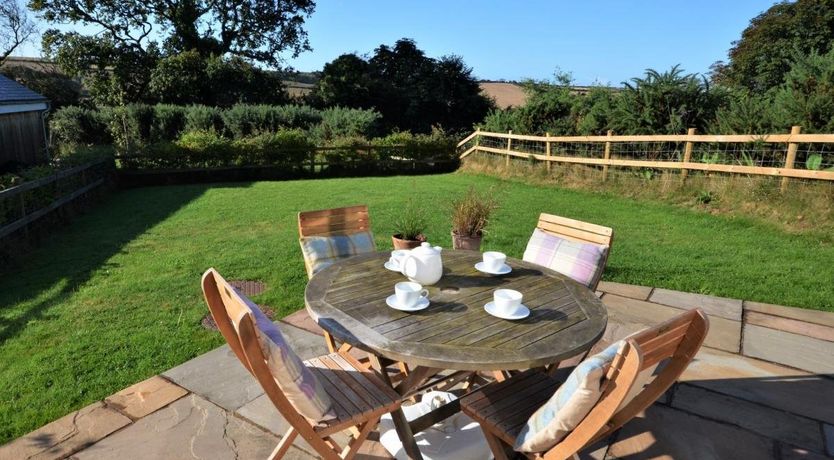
(786, 156)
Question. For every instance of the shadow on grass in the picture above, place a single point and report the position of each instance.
(68, 258)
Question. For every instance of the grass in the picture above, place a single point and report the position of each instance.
(114, 298)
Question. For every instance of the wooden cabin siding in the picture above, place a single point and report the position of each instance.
(22, 138)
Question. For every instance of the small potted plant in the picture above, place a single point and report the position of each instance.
(470, 214)
(409, 226)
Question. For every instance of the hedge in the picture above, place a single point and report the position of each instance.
(134, 126)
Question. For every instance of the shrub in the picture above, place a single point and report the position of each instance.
(285, 147)
(203, 118)
(206, 149)
(73, 126)
(434, 146)
(344, 122)
(168, 122)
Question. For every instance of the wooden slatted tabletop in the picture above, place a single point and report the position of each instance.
(348, 300)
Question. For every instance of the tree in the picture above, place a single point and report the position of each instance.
(665, 103)
(188, 78)
(806, 98)
(759, 60)
(131, 36)
(259, 30)
(15, 27)
(412, 91)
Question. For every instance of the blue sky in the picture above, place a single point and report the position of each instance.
(604, 41)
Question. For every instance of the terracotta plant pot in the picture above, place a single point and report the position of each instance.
(400, 243)
(471, 243)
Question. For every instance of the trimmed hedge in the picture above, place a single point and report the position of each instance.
(134, 126)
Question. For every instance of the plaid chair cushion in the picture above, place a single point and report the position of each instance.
(569, 405)
(297, 382)
(581, 261)
(322, 251)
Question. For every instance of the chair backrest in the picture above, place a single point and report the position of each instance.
(669, 347)
(237, 325)
(337, 221)
(575, 230)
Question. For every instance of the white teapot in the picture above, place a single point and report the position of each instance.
(423, 264)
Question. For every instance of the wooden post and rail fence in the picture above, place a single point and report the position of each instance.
(489, 142)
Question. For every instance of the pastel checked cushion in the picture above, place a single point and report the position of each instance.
(581, 261)
(297, 382)
(569, 405)
(321, 252)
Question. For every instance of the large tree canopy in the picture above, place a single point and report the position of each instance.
(774, 40)
(15, 27)
(258, 30)
(412, 91)
(131, 37)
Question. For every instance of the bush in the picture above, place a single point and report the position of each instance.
(405, 145)
(204, 149)
(203, 118)
(74, 126)
(288, 147)
(168, 121)
(339, 122)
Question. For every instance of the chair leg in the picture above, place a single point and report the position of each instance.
(284, 445)
(364, 430)
(330, 342)
(498, 448)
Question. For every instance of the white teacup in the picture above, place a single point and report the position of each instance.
(506, 301)
(397, 257)
(409, 293)
(494, 260)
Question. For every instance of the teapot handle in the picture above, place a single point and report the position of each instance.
(404, 264)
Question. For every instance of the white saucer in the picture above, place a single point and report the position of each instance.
(420, 305)
(391, 267)
(521, 313)
(501, 271)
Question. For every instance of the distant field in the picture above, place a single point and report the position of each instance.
(114, 298)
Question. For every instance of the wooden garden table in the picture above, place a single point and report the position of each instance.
(347, 300)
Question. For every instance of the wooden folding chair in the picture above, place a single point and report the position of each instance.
(577, 230)
(338, 221)
(359, 396)
(503, 408)
(330, 222)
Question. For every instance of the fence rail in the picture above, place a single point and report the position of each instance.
(794, 155)
(24, 204)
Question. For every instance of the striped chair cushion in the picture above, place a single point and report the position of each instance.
(297, 382)
(584, 262)
(569, 405)
(322, 251)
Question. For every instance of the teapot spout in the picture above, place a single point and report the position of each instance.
(438, 248)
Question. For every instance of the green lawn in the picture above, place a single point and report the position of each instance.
(114, 298)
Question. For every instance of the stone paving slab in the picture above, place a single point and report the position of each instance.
(828, 432)
(772, 423)
(302, 320)
(636, 314)
(626, 290)
(760, 382)
(66, 435)
(795, 326)
(139, 400)
(795, 350)
(667, 433)
(823, 318)
(189, 428)
(713, 306)
(220, 377)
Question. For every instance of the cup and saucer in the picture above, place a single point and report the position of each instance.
(506, 304)
(408, 296)
(395, 262)
(494, 263)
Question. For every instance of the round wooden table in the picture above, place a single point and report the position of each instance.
(347, 300)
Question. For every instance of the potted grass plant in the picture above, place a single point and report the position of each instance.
(470, 215)
(409, 226)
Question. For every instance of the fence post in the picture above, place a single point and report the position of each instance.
(547, 151)
(509, 147)
(791, 158)
(607, 156)
(687, 153)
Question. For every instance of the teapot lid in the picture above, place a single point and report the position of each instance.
(426, 249)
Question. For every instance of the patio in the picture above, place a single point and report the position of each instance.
(738, 399)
